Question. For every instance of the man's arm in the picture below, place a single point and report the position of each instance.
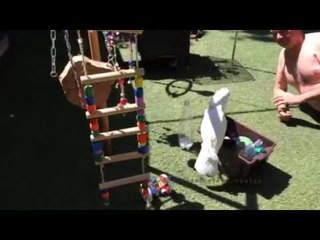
(280, 89)
(291, 99)
(280, 84)
(308, 96)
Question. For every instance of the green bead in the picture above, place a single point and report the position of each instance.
(97, 158)
(141, 118)
(106, 202)
(95, 133)
(88, 89)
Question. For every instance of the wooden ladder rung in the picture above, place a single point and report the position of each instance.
(130, 107)
(110, 76)
(127, 31)
(115, 134)
(124, 181)
(121, 157)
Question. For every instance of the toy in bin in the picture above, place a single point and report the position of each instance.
(156, 187)
(247, 148)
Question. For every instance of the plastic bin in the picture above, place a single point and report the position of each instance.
(232, 164)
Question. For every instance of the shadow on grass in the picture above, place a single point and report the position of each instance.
(180, 87)
(267, 181)
(307, 109)
(294, 122)
(260, 70)
(259, 35)
(171, 140)
(178, 198)
(201, 70)
(201, 190)
(229, 113)
(173, 88)
(252, 111)
(265, 109)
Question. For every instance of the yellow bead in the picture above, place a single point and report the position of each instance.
(138, 81)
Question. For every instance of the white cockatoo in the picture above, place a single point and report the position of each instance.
(213, 130)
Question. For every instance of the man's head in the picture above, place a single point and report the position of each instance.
(288, 38)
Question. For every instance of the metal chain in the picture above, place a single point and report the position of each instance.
(110, 47)
(53, 36)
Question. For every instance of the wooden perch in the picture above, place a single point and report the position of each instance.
(69, 85)
(111, 76)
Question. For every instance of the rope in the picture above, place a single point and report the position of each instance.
(130, 48)
(80, 41)
(137, 66)
(143, 163)
(74, 71)
(137, 60)
(102, 173)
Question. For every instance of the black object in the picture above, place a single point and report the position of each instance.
(155, 44)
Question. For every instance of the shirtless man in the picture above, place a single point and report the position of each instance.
(299, 66)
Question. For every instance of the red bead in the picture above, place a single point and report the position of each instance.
(165, 191)
(91, 108)
(123, 101)
(94, 125)
(141, 126)
(142, 138)
(105, 195)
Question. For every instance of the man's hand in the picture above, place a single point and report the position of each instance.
(286, 99)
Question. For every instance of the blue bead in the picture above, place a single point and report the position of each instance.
(139, 92)
(143, 149)
(90, 100)
(154, 191)
(105, 190)
(97, 148)
(97, 144)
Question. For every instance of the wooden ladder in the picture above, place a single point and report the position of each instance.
(109, 111)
